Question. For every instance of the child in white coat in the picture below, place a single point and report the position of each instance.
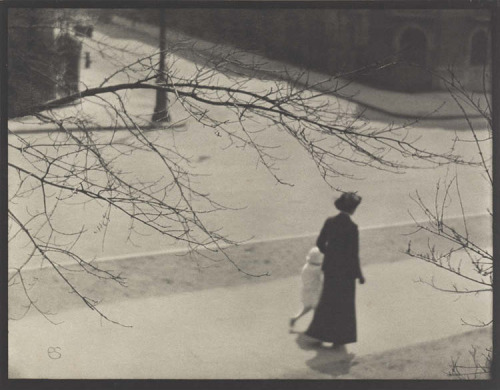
(312, 283)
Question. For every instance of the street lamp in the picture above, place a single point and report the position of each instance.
(161, 112)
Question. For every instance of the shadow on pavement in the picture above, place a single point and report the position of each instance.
(328, 360)
(458, 123)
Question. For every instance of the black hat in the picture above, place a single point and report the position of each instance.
(348, 202)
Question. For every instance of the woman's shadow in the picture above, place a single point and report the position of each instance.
(328, 360)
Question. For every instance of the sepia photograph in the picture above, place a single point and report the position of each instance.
(274, 191)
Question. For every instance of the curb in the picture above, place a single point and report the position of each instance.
(161, 274)
(146, 128)
(371, 235)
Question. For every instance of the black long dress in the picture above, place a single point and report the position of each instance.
(335, 316)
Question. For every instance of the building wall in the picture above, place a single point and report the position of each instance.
(338, 41)
(460, 27)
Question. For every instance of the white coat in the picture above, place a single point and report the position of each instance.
(312, 278)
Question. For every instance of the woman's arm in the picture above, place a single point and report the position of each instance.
(357, 270)
(321, 241)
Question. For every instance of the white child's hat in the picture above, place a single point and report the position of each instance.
(314, 256)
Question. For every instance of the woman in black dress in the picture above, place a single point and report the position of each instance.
(335, 316)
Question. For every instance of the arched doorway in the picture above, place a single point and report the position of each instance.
(413, 54)
(413, 46)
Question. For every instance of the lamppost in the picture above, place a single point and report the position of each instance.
(161, 112)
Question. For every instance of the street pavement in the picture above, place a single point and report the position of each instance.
(239, 332)
(233, 177)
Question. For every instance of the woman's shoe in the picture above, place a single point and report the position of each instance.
(339, 347)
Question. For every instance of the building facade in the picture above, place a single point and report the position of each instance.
(413, 49)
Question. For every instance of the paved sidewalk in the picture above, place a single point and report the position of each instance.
(237, 332)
